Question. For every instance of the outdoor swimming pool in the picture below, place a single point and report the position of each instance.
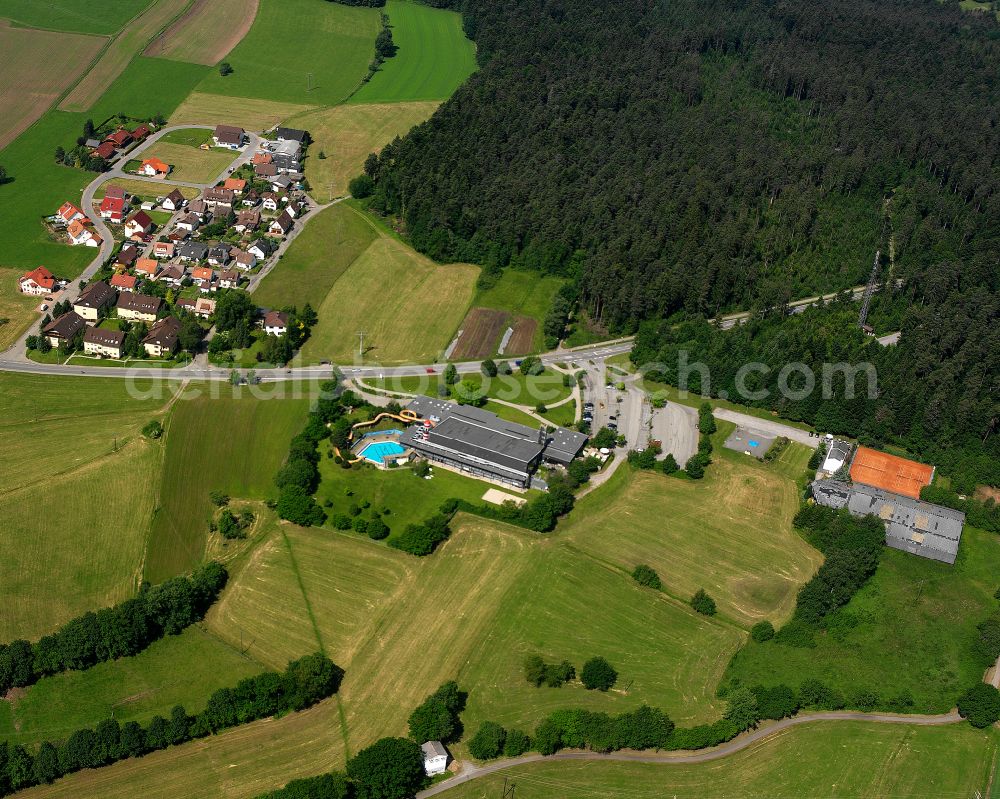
(378, 451)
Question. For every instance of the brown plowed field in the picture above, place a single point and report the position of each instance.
(480, 332)
(523, 340)
(207, 32)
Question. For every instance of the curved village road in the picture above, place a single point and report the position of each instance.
(471, 772)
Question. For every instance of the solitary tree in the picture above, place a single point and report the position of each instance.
(225, 68)
(391, 768)
(703, 603)
(598, 674)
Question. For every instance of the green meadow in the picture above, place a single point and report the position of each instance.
(77, 16)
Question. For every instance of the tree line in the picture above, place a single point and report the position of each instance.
(303, 683)
(122, 630)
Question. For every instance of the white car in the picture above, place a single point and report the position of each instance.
(43, 307)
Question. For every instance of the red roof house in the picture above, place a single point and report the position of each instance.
(68, 212)
(141, 132)
(124, 282)
(105, 150)
(37, 282)
(113, 208)
(120, 138)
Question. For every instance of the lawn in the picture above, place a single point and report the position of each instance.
(144, 189)
(848, 760)
(126, 45)
(193, 137)
(38, 66)
(331, 241)
(408, 306)
(910, 628)
(207, 32)
(434, 56)
(191, 164)
(17, 312)
(231, 444)
(522, 389)
(346, 134)
(730, 533)
(78, 16)
(293, 39)
(248, 113)
(179, 669)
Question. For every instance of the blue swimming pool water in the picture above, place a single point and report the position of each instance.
(754, 443)
(380, 450)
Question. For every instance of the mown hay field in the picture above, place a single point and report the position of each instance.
(207, 32)
(17, 311)
(80, 16)
(190, 164)
(201, 108)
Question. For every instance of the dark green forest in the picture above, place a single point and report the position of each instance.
(679, 159)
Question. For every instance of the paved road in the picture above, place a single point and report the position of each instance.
(472, 772)
(767, 426)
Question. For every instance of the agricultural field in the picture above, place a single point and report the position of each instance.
(144, 189)
(346, 134)
(434, 57)
(909, 628)
(221, 443)
(293, 39)
(742, 551)
(207, 32)
(331, 241)
(179, 669)
(125, 46)
(849, 760)
(73, 15)
(206, 109)
(408, 306)
(191, 164)
(38, 66)
(17, 311)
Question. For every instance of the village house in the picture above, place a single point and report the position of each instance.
(70, 213)
(189, 223)
(282, 183)
(218, 255)
(63, 328)
(121, 138)
(147, 267)
(105, 150)
(124, 282)
(202, 276)
(163, 336)
(138, 307)
(229, 136)
(93, 299)
(218, 196)
(128, 256)
(300, 137)
(260, 158)
(173, 201)
(114, 209)
(229, 279)
(37, 282)
(247, 220)
(243, 259)
(267, 170)
(287, 156)
(163, 249)
(435, 758)
(141, 131)
(281, 225)
(155, 168)
(271, 201)
(296, 208)
(260, 249)
(192, 251)
(106, 343)
(204, 307)
(79, 232)
(173, 274)
(139, 224)
(237, 185)
(276, 323)
(199, 207)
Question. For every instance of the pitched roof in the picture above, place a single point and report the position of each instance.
(105, 150)
(202, 273)
(95, 295)
(204, 305)
(219, 194)
(124, 282)
(164, 332)
(41, 276)
(141, 131)
(147, 266)
(229, 134)
(106, 338)
(114, 191)
(65, 326)
(175, 197)
(140, 303)
(275, 319)
(267, 170)
(433, 749)
(236, 184)
(157, 164)
(128, 255)
(141, 218)
(165, 247)
(68, 210)
(120, 137)
(112, 204)
(890, 472)
(292, 134)
(173, 272)
(284, 221)
(78, 227)
(261, 158)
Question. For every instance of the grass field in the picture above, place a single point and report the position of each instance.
(516, 387)
(72, 15)
(206, 33)
(126, 45)
(37, 67)
(246, 112)
(191, 164)
(18, 310)
(233, 445)
(144, 189)
(910, 628)
(408, 306)
(192, 137)
(179, 669)
(318, 257)
(848, 760)
(291, 39)
(434, 56)
(346, 134)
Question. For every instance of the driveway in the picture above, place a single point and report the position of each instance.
(767, 426)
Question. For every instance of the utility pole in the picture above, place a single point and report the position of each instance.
(869, 290)
(508, 791)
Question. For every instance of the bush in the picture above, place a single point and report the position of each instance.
(391, 768)
(219, 498)
(422, 539)
(488, 742)
(695, 468)
(341, 521)
(598, 674)
(326, 786)
(645, 575)
(538, 672)
(980, 705)
(669, 464)
(377, 529)
(229, 526)
(796, 633)
(762, 631)
(777, 702)
(742, 710)
(703, 603)
(360, 525)
(296, 505)
(153, 429)
(516, 744)
(813, 693)
(437, 718)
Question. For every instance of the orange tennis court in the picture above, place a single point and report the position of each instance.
(889, 472)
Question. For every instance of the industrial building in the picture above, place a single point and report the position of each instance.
(483, 445)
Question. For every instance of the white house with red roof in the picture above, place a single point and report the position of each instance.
(70, 213)
(79, 232)
(154, 167)
(123, 282)
(114, 209)
(37, 282)
(138, 224)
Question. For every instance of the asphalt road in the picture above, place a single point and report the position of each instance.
(767, 426)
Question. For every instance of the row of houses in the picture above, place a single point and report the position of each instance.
(79, 227)
(119, 141)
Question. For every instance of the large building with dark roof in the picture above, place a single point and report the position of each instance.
(482, 444)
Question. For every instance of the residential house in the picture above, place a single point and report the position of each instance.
(114, 191)
(203, 276)
(281, 183)
(139, 224)
(163, 249)
(247, 220)
(173, 274)
(106, 343)
(251, 199)
(80, 232)
(296, 208)
(271, 201)
(186, 303)
(286, 156)
(114, 209)
(229, 136)
(141, 131)
(229, 279)
(105, 150)
(177, 236)
(267, 170)
(147, 268)
(260, 249)
(188, 223)
(261, 158)
(276, 323)
(37, 282)
(70, 213)
(243, 259)
(63, 328)
(237, 185)
(174, 201)
(199, 207)
(121, 138)
(281, 225)
(163, 337)
(301, 137)
(124, 282)
(435, 758)
(192, 251)
(154, 167)
(218, 196)
(93, 144)
(128, 256)
(204, 307)
(218, 255)
(138, 307)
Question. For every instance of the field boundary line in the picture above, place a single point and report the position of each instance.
(302, 588)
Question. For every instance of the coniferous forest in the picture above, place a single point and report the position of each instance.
(679, 159)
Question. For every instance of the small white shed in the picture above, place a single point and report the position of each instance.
(435, 758)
